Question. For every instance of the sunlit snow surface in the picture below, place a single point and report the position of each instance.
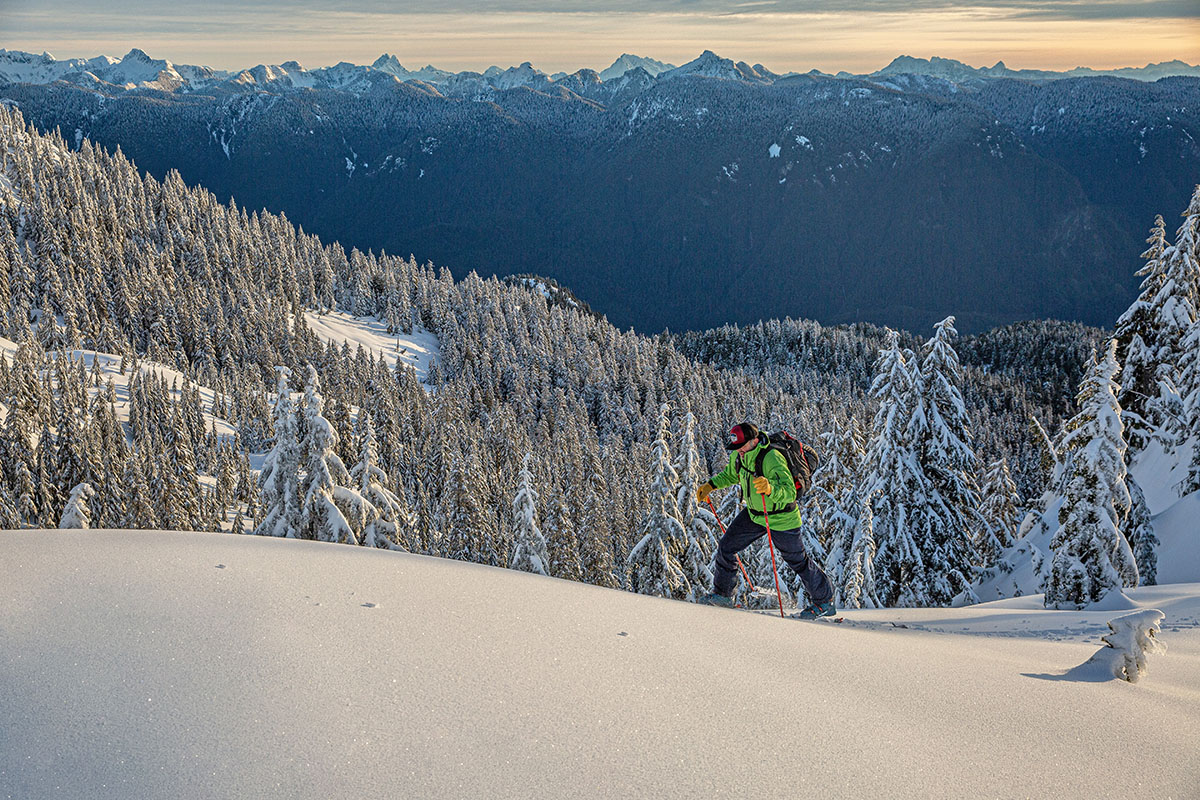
(417, 349)
(188, 665)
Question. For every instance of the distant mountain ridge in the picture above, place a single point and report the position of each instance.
(137, 70)
(953, 70)
(895, 199)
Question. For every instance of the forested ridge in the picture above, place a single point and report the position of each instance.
(541, 429)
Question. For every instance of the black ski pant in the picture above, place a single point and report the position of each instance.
(742, 533)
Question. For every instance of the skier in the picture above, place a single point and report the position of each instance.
(776, 485)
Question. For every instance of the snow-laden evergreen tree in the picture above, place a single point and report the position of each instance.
(892, 479)
(856, 585)
(562, 544)
(1174, 312)
(1091, 555)
(382, 518)
(1189, 386)
(699, 524)
(653, 566)
(280, 476)
(939, 432)
(77, 513)
(1139, 531)
(320, 517)
(1137, 346)
(834, 495)
(529, 546)
(1000, 511)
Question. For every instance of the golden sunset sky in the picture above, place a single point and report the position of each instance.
(784, 35)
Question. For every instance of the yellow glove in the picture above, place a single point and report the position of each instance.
(702, 492)
(762, 486)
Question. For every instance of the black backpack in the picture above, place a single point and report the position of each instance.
(802, 460)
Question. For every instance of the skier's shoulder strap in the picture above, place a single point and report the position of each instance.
(767, 447)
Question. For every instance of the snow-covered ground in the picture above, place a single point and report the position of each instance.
(417, 349)
(157, 664)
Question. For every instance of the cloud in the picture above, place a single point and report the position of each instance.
(130, 11)
(858, 35)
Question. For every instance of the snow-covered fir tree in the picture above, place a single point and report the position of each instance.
(940, 433)
(1091, 555)
(529, 546)
(380, 517)
(653, 566)
(856, 585)
(324, 474)
(1000, 511)
(892, 479)
(1139, 531)
(1137, 345)
(699, 524)
(280, 475)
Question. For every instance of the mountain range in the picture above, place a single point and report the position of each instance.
(137, 70)
(681, 197)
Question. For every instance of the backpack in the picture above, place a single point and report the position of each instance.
(802, 460)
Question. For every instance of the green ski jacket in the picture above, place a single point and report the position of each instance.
(783, 487)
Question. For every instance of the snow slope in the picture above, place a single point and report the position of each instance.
(417, 349)
(152, 664)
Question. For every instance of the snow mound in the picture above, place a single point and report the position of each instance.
(158, 664)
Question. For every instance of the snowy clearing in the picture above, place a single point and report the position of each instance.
(417, 349)
(152, 664)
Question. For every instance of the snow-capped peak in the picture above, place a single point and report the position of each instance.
(390, 64)
(514, 77)
(711, 65)
(627, 61)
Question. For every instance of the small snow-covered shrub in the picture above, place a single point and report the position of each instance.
(1133, 637)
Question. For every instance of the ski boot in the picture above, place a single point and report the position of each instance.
(816, 610)
(714, 599)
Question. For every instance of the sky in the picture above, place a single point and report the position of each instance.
(784, 35)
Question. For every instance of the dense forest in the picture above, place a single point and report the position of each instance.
(159, 372)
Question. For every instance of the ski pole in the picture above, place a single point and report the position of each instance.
(721, 525)
(771, 544)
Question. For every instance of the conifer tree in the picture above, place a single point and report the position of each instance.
(280, 476)
(385, 519)
(893, 482)
(939, 431)
(999, 510)
(699, 524)
(1091, 555)
(1137, 345)
(1189, 385)
(1139, 530)
(320, 517)
(856, 587)
(562, 543)
(653, 566)
(529, 546)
